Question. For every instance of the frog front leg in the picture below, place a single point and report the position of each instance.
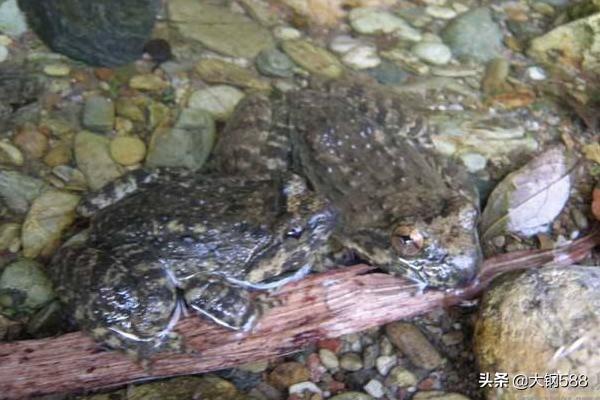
(126, 185)
(124, 302)
(225, 303)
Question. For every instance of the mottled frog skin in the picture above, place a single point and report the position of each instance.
(164, 241)
(365, 150)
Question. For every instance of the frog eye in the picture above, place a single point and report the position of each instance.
(407, 240)
(295, 233)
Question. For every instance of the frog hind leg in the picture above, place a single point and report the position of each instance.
(225, 303)
(126, 303)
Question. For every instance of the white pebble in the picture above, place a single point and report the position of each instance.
(473, 161)
(362, 57)
(343, 44)
(301, 387)
(286, 33)
(536, 73)
(374, 388)
(432, 53)
(440, 12)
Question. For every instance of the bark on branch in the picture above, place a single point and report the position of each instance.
(320, 306)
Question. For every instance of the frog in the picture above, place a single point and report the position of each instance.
(165, 242)
(369, 150)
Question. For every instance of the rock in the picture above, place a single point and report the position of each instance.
(571, 45)
(286, 33)
(31, 141)
(351, 396)
(57, 70)
(436, 395)
(10, 234)
(474, 36)
(388, 73)
(287, 374)
(372, 21)
(272, 62)
(351, 362)
(362, 57)
(543, 321)
(218, 71)
(312, 58)
(411, 341)
(127, 150)
(93, 158)
(495, 75)
(19, 190)
(474, 162)
(128, 108)
(148, 82)
(401, 377)
(48, 321)
(432, 53)
(12, 20)
(58, 155)
(329, 359)
(440, 12)
(107, 33)
(188, 387)
(187, 144)
(219, 29)
(158, 113)
(255, 367)
(218, 100)
(375, 388)
(24, 288)
(385, 363)
(302, 387)
(99, 114)
(50, 214)
(3, 53)
(369, 355)
(9, 154)
(536, 73)
(342, 44)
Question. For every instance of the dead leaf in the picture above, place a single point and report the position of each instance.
(592, 152)
(529, 199)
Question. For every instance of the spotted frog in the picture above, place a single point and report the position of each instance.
(164, 241)
(363, 148)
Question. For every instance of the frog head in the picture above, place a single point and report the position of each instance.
(439, 251)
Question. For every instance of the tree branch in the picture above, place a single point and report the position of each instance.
(321, 306)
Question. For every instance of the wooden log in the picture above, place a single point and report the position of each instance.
(321, 306)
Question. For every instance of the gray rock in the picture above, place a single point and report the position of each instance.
(329, 359)
(370, 21)
(385, 363)
(400, 376)
(18, 190)
(187, 144)
(108, 32)
(92, 153)
(24, 287)
(272, 62)
(219, 29)
(388, 73)
(474, 36)
(99, 114)
(375, 388)
(12, 20)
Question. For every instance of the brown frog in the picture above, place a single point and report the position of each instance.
(366, 150)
